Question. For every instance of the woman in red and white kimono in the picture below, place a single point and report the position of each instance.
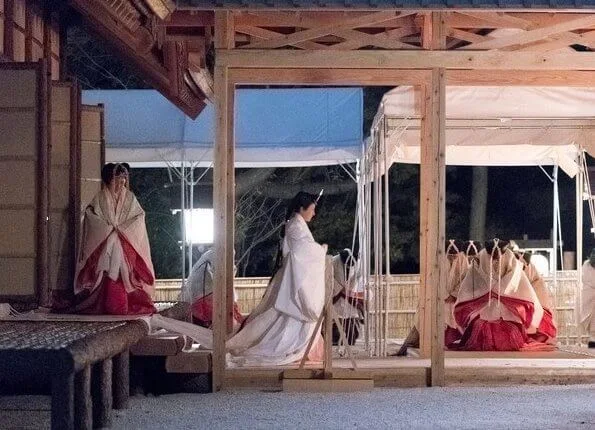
(458, 265)
(198, 292)
(497, 307)
(114, 273)
(547, 330)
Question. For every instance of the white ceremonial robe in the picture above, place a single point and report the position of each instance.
(587, 314)
(277, 332)
(200, 280)
(346, 287)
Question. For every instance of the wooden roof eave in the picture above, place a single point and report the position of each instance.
(136, 49)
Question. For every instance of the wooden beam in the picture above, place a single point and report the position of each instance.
(560, 41)
(224, 30)
(535, 35)
(313, 33)
(223, 199)
(388, 39)
(190, 19)
(264, 34)
(480, 60)
(379, 77)
(220, 228)
(467, 36)
(571, 78)
(432, 213)
(367, 77)
(310, 19)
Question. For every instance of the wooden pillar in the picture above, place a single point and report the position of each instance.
(433, 213)
(83, 409)
(101, 393)
(121, 379)
(63, 401)
(223, 199)
(9, 29)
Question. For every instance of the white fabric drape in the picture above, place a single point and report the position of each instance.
(587, 314)
(278, 330)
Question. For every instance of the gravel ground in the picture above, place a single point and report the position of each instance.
(522, 407)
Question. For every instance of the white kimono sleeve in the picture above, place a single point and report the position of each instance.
(302, 290)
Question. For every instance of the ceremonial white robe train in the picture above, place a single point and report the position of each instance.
(277, 332)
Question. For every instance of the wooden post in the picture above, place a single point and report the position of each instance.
(432, 214)
(121, 379)
(101, 393)
(43, 194)
(223, 199)
(83, 410)
(63, 401)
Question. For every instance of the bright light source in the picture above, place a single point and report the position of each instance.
(541, 263)
(199, 225)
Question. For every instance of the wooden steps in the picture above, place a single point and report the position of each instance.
(169, 363)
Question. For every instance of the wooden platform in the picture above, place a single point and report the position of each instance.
(568, 366)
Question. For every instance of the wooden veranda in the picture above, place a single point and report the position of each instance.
(428, 50)
(195, 50)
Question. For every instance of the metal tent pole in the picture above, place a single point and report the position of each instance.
(555, 236)
(183, 216)
(368, 213)
(375, 245)
(386, 236)
(191, 198)
(579, 247)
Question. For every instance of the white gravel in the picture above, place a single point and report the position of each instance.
(522, 407)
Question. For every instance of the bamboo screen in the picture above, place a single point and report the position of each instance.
(21, 182)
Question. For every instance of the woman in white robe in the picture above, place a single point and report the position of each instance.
(587, 311)
(114, 273)
(278, 331)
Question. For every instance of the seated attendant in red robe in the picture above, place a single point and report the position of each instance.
(114, 273)
(497, 307)
(547, 330)
(198, 291)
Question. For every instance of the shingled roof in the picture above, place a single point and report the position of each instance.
(386, 4)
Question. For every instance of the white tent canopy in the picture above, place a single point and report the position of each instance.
(496, 126)
(280, 127)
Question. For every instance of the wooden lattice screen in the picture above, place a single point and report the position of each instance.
(92, 155)
(64, 201)
(23, 181)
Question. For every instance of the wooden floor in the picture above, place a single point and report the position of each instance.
(569, 365)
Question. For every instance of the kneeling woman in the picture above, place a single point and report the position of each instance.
(114, 272)
(277, 332)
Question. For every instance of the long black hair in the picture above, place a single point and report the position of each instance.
(110, 170)
(301, 200)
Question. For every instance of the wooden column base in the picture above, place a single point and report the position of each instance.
(101, 388)
(63, 402)
(83, 408)
(121, 380)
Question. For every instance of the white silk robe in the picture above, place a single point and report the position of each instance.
(277, 332)
(587, 313)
